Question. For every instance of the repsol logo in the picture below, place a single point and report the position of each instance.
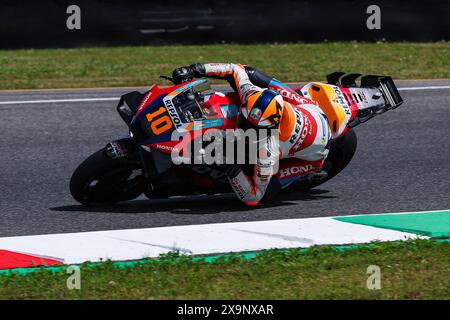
(306, 130)
(298, 127)
(173, 113)
(296, 171)
(341, 100)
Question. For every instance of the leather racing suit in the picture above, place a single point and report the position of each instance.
(303, 140)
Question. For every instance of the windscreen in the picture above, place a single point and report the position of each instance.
(189, 103)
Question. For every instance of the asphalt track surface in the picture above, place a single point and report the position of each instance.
(402, 164)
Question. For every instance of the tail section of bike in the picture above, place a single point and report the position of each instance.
(347, 104)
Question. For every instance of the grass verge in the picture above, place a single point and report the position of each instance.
(141, 66)
(417, 269)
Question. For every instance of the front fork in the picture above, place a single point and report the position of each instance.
(126, 150)
(159, 175)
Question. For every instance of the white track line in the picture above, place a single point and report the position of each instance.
(133, 244)
(116, 98)
(58, 101)
(423, 88)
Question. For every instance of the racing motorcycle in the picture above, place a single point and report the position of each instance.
(141, 163)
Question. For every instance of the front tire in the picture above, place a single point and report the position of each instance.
(100, 180)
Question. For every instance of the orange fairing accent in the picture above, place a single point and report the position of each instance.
(287, 122)
(324, 95)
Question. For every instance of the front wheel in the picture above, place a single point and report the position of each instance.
(102, 180)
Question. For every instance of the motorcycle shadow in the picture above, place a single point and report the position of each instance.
(202, 204)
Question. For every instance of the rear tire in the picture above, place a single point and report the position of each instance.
(102, 180)
(341, 153)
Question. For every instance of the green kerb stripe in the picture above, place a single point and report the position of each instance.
(206, 259)
(434, 224)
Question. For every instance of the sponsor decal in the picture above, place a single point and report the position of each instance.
(325, 132)
(292, 96)
(263, 172)
(340, 99)
(304, 133)
(296, 171)
(173, 113)
(164, 147)
(144, 101)
(300, 132)
(247, 90)
(238, 188)
(116, 150)
(363, 96)
(298, 126)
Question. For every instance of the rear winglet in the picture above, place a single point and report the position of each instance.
(333, 78)
(387, 87)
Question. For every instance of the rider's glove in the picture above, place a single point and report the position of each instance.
(198, 69)
(187, 73)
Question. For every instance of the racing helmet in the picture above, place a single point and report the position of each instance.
(263, 109)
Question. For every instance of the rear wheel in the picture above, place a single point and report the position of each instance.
(341, 153)
(102, 180)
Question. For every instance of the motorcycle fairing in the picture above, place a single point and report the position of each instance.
(334, 102)
(222, 113)
(375, 95)
(288, 92)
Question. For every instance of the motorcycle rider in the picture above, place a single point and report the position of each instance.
(303, 137)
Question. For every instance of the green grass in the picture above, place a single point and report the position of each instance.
(141, 66)
(411, 270)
